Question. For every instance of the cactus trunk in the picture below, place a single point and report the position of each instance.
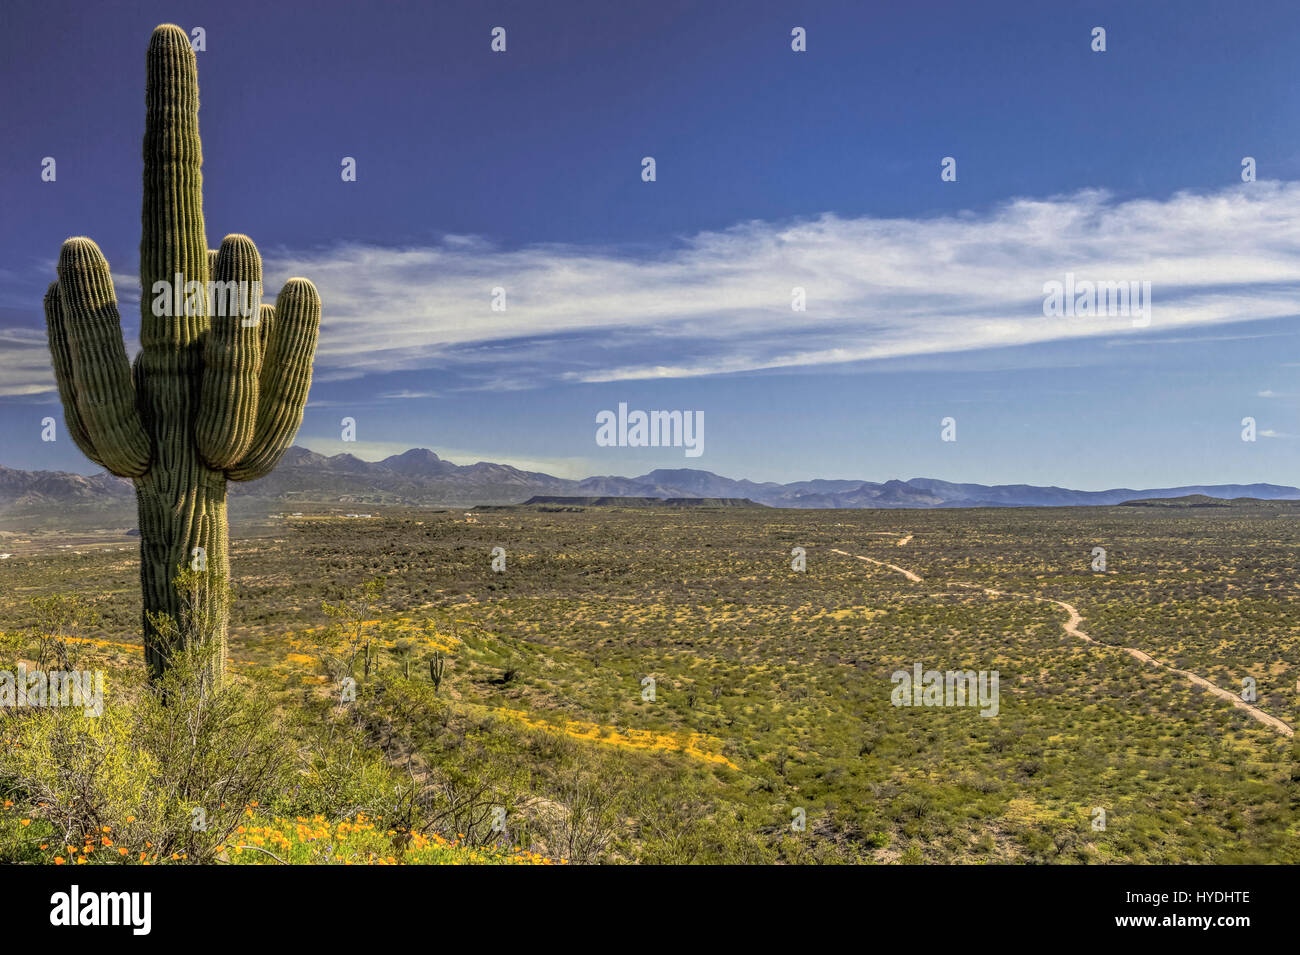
(176, 519)
(218, 388)
(180, 501)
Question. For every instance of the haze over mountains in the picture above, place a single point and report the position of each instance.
(420, 477)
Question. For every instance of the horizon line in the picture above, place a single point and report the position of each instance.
(1064, 487)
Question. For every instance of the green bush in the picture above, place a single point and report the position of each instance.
(169, 769)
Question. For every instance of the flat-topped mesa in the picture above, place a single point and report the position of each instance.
(218, 389)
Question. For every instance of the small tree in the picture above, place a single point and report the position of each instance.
(60, 618)
(348, 637)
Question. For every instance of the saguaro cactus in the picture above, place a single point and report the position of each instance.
(218, 389)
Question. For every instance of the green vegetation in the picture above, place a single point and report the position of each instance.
(771, 688)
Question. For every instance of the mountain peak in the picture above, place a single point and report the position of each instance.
(297, 456)
(415, 461)
(348, 461)
(659, 475)
(413, 454)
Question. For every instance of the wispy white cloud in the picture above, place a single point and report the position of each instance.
(406, 394)
(876, 288)
(720, 302)
(1194, 339)
(24, 363)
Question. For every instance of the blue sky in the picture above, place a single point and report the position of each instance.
(775, 169)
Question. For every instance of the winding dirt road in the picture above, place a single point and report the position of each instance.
(871, 560)
(1071, 627)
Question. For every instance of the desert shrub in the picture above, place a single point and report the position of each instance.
(342, 772)
(588, 822)
(61, 618)
(169, 768)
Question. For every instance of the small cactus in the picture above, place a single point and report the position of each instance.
(437, 667)
(215, 394)
(403, 649)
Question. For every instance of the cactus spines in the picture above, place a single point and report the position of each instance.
(218, 388)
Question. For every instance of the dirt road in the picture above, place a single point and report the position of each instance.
(1071, 627)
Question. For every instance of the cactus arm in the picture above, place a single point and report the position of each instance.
(231, 360)
(105, 396)
(264, 325)
(62, 360)
(285, 378)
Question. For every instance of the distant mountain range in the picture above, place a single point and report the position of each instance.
(419, 477)
(566, 501)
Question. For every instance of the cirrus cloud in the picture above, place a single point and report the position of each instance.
(720, 302)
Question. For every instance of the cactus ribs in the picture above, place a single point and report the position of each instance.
(212, 396)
